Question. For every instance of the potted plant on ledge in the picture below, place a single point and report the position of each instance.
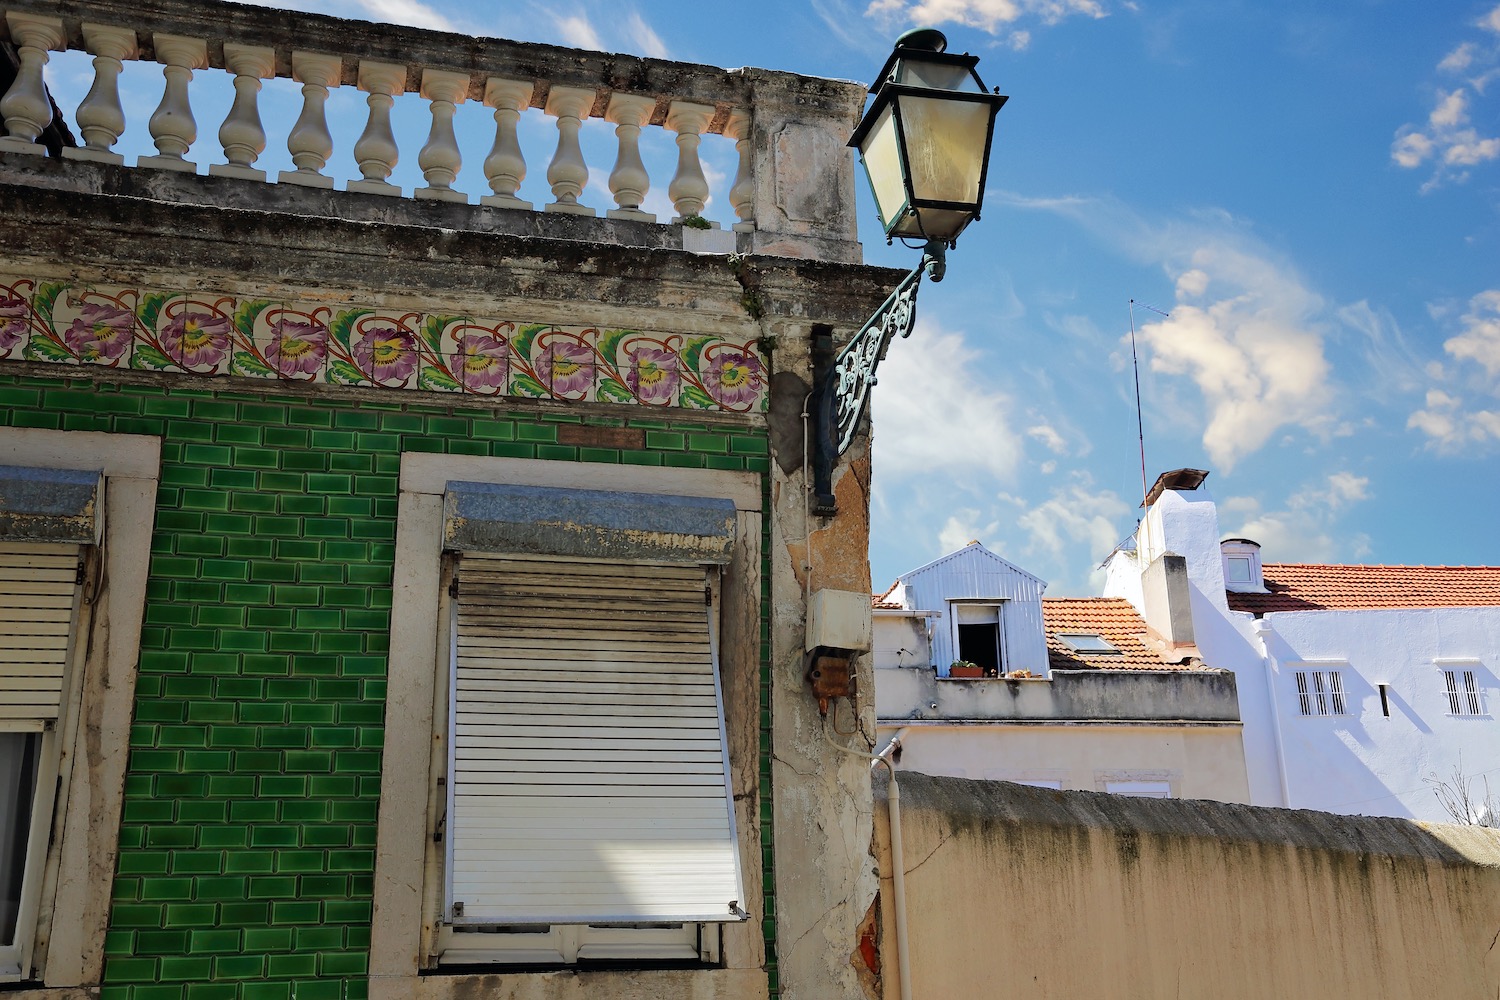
(964, 668)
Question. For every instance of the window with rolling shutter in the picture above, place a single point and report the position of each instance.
(587, 761)
(38, 610)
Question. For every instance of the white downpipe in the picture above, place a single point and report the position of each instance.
(898, 866)
(1262, 630)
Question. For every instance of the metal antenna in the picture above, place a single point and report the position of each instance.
(1135, 366)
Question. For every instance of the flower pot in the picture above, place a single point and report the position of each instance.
(965, 671)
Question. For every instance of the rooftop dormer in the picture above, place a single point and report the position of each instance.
(1242, 568)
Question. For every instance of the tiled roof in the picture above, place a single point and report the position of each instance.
(1315, 587)
(1112, 619)
(878, 602)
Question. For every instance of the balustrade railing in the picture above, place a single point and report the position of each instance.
(775, 120)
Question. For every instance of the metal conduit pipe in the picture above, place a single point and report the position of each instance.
(898, 867)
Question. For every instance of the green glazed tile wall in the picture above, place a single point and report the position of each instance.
(247, 840)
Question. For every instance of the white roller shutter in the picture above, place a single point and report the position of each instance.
(38, 597)
(587, 767)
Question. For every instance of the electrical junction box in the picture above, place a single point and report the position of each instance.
(838, 619)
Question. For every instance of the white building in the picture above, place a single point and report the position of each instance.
(1069, 693)
(1357, 684)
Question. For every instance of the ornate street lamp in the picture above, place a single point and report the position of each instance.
(925, 144)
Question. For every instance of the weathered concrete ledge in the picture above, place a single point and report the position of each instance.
(909, 694)
(1172, 898)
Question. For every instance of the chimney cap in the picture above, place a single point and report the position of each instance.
(1179, 480)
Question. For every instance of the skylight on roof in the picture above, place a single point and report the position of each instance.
(1087, 642)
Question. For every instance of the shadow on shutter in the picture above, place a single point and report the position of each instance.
(588, 765)
(38, 592)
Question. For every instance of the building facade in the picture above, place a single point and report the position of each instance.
(406, 596)
(1362, 687)
(1058, 693)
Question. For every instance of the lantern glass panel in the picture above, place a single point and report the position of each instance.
(937, 76)
(946, 143)
(882, 158)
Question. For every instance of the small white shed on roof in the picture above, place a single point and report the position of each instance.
(988, 602)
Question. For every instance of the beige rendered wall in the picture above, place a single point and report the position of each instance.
(1028, 893)
(1200, 762)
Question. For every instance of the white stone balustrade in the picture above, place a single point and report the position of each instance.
(25, 107)
(791, 190)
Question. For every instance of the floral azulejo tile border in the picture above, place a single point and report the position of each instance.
(206, 333)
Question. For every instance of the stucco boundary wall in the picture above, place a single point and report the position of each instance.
(1021, 892)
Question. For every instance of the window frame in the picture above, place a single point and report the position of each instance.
(408, 884)
(59, 944)
(1319, 691)
(1002, 651)
(1462, 690)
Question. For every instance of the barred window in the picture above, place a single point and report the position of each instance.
(1321, 692)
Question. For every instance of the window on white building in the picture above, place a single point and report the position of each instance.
(1140, 789)
(1088, 642)
(1465, 696)
(1321, 692)
(979, 636)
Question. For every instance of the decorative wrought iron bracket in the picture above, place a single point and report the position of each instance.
(843, 389)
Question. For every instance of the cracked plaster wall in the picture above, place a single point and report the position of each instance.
(1029, 894)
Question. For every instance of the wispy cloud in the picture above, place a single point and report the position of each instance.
(644, 38)
(1306, 528)
(1448, 139)
(936, 413)
(1246, 329)
(578, 31)
(997, 17)
(1479, 340)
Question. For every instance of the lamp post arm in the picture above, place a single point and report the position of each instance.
(843, 388)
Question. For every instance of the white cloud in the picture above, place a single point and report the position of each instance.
(1448, 138)
(1307, 529)
(935, 412)
(578, 31)
(1480, 339)
(992, 16)
(644, 37)
(1449, 428)
(411, 12)
(1048, 436)
(1075, 514)
(962, 527)
(1256, 357)
(1253, 349)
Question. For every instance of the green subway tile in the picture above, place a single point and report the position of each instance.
(125, 915)
(189, 915)
(272, 571)
(230, 524)
(247, 593)
(717, 443)
(311, 572)
(297, 596)
(202, 812)
(286, 966)
(232, 479)
(189, 430)
(214, 409)
(183, 968)
(175, 785)
(211, 991)
(205, 760)
(247, 548)
(180, 520)
(268, 991)
(172, 942)
(161, 711)
(316, 665)
(301, 504)
(288, 912)
(268, 939)
(355, 812)
(143, 862)
(216, 500)
(176, 566)
(284, 738)
(200, 711)
(131, 970)
(351, 861)
(352, 642)
(244, 642)
(292, 642)
(229, 786)
(279, 786)
(299, 548)
(263, 413)
(312, 715)
(285, 438)
(340, 440)
(325, 836)
(168, 836)
(147, 811)
(290, 688)
(239, 966)
(316, 938)
(219, 889)
(301, 863)
(282, 482)
(254, 503)
(165, 889)
(355, 419)
(688, 460)
(333, 786)
(333, 738)
(223, 615)
(342, 963)
(650, 458)
(347, 911)
(252, 812)
(231, 737)
(237, 434)
(741, 444)
(197, 862)
(258, 760)
(250, 863)
(325, 527)
(728, 463)
(126, 890)
(245, 914)
(138, 786)
(269, 618)
(206, 454)
(310, 417)
(303, 461)
(673, 440)
(119, 943)
(157, 992)
(272, 887)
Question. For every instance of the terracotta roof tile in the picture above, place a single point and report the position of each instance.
(1112, 619)
(1315, 587)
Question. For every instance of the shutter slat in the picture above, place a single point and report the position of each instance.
(587, 759)
(38, 585)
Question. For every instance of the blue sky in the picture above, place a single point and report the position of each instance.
(1311, 192)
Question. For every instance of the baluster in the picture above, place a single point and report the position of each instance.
(26, 107)
(505, 167)
(629, 181)
(568, 173)
(440, 159)
(242, 135)
(689, 188)
(742, 194)
(101, 119)
(309, 141)
(172, 126)
(376, 150)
